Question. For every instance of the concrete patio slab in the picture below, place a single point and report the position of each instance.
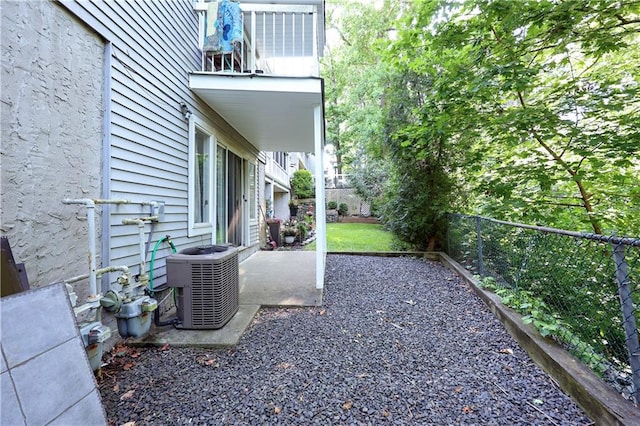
(267, 279)
(280, 278)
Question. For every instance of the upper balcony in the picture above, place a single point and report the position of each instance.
(260, 70)
(283, 37)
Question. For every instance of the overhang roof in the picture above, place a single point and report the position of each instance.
(273, 113)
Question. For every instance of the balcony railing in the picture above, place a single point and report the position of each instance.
(276, 172)
(278, 39)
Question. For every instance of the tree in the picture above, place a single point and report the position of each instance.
(542, 95)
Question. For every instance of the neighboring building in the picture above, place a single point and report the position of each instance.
(123, 101)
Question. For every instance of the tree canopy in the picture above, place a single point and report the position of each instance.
(522, 110)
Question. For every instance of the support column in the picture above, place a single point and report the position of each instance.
(321, 223)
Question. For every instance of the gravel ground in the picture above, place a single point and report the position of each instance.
(398, 341)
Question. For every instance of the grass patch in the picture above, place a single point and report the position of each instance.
(356, 237)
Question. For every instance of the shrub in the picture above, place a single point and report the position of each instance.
(332, 205)
(343, 209)
(302, 184)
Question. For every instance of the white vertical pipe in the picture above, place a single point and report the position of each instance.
(91, 229)
(142, 250)
(91, 223)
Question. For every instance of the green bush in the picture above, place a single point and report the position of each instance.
(303, 230)
(302, 184)
(343, 209)
(332, 205)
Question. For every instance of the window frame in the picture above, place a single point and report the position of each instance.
(202, 228)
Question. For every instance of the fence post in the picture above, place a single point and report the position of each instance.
(480, 247)
(628, 316)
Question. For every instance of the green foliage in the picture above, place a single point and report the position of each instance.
(520, 110)
(343, 209)
(303, 230)
(289, 230)
(302, 184)
(332, 205)
(536, 312)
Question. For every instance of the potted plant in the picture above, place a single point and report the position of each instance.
(274, 229)
(289, 233)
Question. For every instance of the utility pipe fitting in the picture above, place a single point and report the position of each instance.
(91, 216)
(143, 278)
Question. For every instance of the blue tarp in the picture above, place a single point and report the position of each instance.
(227, 29)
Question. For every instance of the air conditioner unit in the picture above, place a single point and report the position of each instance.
(206, 281)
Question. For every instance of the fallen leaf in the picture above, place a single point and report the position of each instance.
(385, 413)
(506, 351)
(212, 362)
(277, 410)
(129, 424)
(347, 405)
(165, 347)
(538, 401)
(467, 409)
(127, 395)
(410, 302)
(458, 389)
(128, 366)
(323, 312)
(116, 387)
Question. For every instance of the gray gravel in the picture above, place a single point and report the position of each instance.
(398, 341)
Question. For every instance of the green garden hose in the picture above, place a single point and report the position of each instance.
(153, 258)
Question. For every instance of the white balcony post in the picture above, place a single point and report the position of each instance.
(321, 224)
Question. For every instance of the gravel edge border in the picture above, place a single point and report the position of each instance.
(596, 398)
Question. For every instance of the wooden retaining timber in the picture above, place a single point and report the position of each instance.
(600, 402)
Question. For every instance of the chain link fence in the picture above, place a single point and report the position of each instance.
(580, 289)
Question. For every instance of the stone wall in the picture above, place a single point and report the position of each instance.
(52, 112)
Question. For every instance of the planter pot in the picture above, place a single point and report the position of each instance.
(274, 231)
(289, 239)
(293, 211)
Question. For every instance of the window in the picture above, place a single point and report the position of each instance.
(201, 142)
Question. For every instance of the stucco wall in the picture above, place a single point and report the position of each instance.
(52, 112)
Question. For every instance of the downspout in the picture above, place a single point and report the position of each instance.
(106, 162)
(91, 216)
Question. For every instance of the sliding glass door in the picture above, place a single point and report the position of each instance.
(229, 197)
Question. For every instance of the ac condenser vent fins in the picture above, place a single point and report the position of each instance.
(207, 282)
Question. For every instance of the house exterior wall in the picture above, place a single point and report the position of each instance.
(153, 47)
(52, 114)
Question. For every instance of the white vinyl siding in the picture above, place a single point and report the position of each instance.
(153, 50)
